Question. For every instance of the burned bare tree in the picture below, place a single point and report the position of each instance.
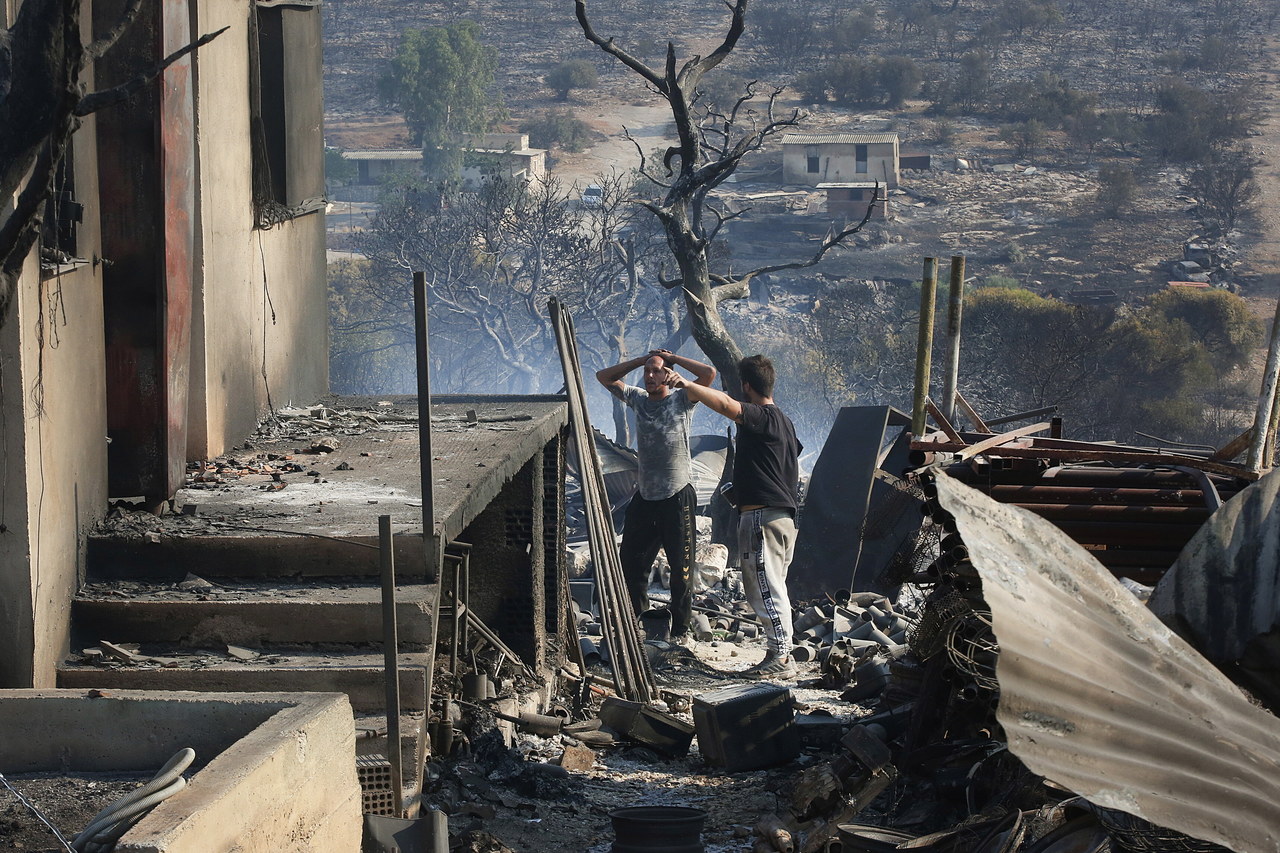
(493, 258)
(711, 144)
(42, 100)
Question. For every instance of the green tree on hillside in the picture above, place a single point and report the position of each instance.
(442, 79)
(574, 74)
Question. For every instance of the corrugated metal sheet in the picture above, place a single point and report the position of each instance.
(1225, 585)
(838, 138)
(1099, 696)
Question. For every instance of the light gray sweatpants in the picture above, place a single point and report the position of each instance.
(766, 543)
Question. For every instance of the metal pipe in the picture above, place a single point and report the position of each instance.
(1127, 533)
(390, 658)
(1095, 496)
(430, 538)
(1269, 452)
(1135, 513)
(423, 351)
(457, 618)
(1267, 398)
(924, 344)
(1092, 476)
(1022, 416)
(955, 310)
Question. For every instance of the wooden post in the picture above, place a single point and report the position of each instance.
(924, 344)
(1266, 399)
(955, 308)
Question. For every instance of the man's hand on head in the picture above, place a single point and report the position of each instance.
(674, 380)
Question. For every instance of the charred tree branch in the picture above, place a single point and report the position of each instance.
(117, 94)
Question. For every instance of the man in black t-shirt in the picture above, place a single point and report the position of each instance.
(766, 475)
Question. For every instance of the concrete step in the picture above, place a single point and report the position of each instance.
(246, 613)
(357, 673)
(231, 554)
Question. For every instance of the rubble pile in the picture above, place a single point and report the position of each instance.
(892, 736)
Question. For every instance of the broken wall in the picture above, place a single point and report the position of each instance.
(53, 426)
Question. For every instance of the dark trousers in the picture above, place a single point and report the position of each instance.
(666, 524)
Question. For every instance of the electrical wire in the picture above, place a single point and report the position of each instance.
(35, 811)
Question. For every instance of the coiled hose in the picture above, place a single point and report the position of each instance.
(116, 819)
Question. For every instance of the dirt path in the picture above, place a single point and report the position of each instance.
(648, 125)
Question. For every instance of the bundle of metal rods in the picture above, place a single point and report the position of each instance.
(631, 674)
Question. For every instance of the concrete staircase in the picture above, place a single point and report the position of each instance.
(266, 614)
(250, 635)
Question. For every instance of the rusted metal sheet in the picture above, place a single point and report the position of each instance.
(1223, 592)
(1098, 695)
(146, 169)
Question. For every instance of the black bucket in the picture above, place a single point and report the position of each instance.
(657, 624)
(657, 829)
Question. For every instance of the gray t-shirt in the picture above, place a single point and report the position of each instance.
(662, 439)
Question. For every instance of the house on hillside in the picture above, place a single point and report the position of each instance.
(840, 158)
(506, 154)
(180, 294)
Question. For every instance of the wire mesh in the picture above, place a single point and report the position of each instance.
(1130, 834)
(972, 648)
(941, 608)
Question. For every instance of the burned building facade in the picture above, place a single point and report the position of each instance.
(178, 293)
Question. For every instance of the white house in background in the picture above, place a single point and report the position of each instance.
(843, 158)
(508, 152)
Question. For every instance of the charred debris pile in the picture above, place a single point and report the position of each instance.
(1021, 691)
(1072, 649)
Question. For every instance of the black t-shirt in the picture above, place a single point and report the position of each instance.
(766, 462)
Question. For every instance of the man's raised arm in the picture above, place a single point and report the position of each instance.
(611, 377)
(712, 398)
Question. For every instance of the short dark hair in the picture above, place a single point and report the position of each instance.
(757, 371)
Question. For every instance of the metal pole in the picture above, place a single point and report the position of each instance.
(1269, 452)
(924, 344)
(955, 309)
(424, 425)
(431, 540)
(1262, 420)
(390, 657)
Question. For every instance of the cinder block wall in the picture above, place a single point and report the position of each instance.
(508, 563)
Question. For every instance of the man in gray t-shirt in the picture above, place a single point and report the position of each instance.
(661, 514)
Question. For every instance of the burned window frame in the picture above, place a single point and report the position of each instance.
(286, 184)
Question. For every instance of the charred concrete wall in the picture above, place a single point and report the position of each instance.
(260, 292)
(53, 457)
(258, 308)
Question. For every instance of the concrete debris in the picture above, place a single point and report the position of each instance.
(121, 652)
(241, 653)
(577, 759)
(194, 582)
